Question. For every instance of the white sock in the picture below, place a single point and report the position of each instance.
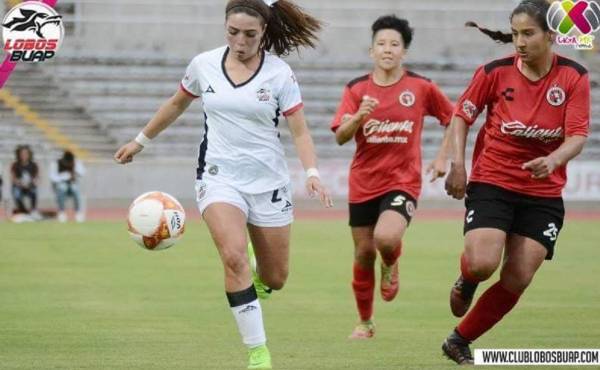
(248, 316)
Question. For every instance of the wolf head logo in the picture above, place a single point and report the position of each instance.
(32, 21)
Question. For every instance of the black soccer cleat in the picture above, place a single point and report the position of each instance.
(461, 296)
(456, 348)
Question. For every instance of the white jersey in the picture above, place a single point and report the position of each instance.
(241, 144)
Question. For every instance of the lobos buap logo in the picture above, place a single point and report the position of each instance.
(574, 22)
(32, 32)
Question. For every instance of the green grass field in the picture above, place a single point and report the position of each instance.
(85, 297)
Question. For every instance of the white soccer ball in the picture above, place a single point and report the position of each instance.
(156, 220)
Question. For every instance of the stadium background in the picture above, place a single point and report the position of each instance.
(122, 58)
(83, 296)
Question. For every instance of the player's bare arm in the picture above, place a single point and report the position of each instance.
(351, 123)
(306, 152)
(438, 167)
(542, 167)
(456, 182)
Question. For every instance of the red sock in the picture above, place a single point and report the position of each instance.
(464, 270)
(363, 286)
(389, 258)
(491, 307)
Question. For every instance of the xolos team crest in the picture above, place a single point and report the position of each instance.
(32, 32)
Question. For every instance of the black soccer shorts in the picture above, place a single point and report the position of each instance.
(367, 213)
(537, 218)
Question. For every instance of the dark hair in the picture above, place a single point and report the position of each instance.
(288, 26)
(391, 22)
(23, 147)
(536, 9)
(68, 156)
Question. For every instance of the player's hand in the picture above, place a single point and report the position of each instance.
(367, 106)
(315, 188)
(126, 152)
(437, 168)
(456, 182)
(541, 167)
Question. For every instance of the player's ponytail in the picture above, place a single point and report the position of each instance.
(536, 9)
(498, 36)
(288, 26)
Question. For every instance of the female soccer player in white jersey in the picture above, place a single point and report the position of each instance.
(242, 178)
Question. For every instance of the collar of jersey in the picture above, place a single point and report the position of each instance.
(262, 61)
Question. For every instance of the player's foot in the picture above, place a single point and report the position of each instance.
(364, 330)
(262, 291)
(62, 217)
(389, 281)
(259, 358)
(80, 216)
(461, 296)
(456, 348)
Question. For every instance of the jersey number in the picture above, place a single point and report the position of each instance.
(275, 198)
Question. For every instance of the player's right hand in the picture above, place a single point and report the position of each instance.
(367, 106)
(456, 182)
(126, 152)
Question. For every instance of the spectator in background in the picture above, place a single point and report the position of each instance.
(24, 177)
(64, 175)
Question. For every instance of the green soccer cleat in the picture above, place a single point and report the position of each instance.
(259, 358)
(262, 291)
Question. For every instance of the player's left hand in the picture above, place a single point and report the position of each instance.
(314, 187)
(437, 168)
(540, 167)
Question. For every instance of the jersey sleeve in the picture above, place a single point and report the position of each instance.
(190, 84)
(475, 98)
(439, 106)
(290, 98)
(348, 106)
(577, 114)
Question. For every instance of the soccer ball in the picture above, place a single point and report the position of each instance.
(156, 220)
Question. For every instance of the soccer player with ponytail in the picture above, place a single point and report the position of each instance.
(538, 114)
(243, 183)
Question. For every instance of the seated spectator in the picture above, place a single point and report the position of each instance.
(64, 175)
(24, 178)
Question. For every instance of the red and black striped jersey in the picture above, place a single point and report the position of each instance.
(388, 143)
(525, 120)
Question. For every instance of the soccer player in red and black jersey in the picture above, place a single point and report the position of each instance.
(383, 111)
(538, 107)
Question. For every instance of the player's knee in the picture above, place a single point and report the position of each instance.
(386, 240)
(481, 266)
(365, 255)
(276, 279)
(234, 262)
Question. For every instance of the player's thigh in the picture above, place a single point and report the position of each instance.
(523, 258)
(541, 220)
(225, 213)
(483, 249)
(396, 210)
(270, 216)
(272, 250)
(226, 224)
(489, 215)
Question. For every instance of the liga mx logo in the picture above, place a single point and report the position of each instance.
(32, 32)
(574, 21)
